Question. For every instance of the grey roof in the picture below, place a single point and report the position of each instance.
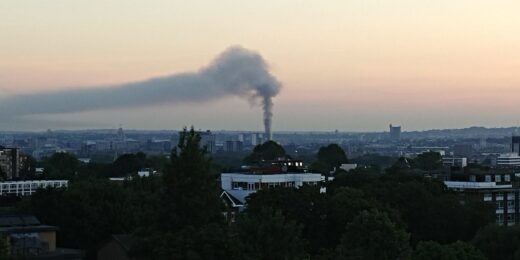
(19, 223)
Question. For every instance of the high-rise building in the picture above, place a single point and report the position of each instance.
(233, 146)
(515, 145)
(207, 139)
(395, 132)
(10, 162)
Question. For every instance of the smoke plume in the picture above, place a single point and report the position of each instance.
(236, 71)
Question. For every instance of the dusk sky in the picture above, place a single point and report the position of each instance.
(354, 65)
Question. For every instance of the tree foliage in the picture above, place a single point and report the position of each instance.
(332, 156)
(430, 250)
(61, 166)
(267, 151)
(268, 235)
(372, 235)
(499, 242)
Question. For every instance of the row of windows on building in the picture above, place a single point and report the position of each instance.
(264, 185)
(488, 178)
(499, 196)
(510, 217)
(29, 187)
(510, 205)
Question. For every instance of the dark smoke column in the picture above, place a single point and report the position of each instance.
(268, 114)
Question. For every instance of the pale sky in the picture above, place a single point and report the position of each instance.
(351, 65)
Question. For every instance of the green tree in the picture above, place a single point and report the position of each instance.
(499, 242)
(372, 235)
(208, 242)
(4, 247)
(87, 212)
(267, 151)
(268, 235)
(331, 156)
(61, 166)
(190, 192)
(343, 206)
(306, 206)
(430, 250)
(127, 164)
(429, 161)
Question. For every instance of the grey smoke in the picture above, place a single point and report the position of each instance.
(236, 71)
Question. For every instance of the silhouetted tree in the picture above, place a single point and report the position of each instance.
(372, 235)
(190, 194)
(330, 157)
(61, 166)
(499, 242)
(429, 161)
(269, 150)
(268, 235)
(459, 250)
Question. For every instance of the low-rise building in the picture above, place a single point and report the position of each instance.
(497, 188)
(455, 162)
(29, 239)
(508, 160)
(238, 185)
(27, 188)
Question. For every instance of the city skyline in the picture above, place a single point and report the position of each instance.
(355, 66)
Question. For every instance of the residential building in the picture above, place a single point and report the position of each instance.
(10, 161)
(29, 239)
(348, 166)
(455, 161)
(515, 145)
(496, 188)
(238, 185)
(395, 132)
(233, 146)
(509, 160)
(27, 188)
(207, 139)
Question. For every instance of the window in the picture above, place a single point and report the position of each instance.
(498, 178)
(499, 196)
(510, 196)
(488, 178)
(510, 204)
(500, 204)
(488, 197)
(472, 178)
(500, 218)
(507, 178)
(510, 218)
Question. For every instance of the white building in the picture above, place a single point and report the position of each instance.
(26, 188)
(508, 160)
(348, 166)
(455, 161)
(240, 185)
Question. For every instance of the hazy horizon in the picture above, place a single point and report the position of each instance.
(353, 66)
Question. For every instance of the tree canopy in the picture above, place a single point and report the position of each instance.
(267, 151)
(329, 157)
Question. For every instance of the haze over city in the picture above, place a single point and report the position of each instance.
(347, 65)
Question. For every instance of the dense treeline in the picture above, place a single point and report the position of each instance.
(366, 213)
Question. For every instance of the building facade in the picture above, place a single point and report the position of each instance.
(455, 162)
(498, 189)
(508, 160)
(27, 188)
(10, 162)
